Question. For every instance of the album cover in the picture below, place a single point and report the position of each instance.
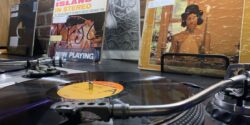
(22, 28)
(77, 30)
(5, 20)
(122, 30)
(191, 27)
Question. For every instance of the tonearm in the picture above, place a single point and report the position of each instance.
(107, 111)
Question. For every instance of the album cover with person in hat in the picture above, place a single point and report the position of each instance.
(191, 27)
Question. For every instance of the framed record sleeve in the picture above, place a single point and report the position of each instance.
(122, 30)
(77, 29)
(199, 27)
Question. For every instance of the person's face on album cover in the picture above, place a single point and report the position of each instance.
(191, 21)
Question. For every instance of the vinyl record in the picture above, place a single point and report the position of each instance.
(28, 103)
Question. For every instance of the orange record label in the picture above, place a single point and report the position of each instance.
(90, 90)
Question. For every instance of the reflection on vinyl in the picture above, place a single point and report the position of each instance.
(28, 103)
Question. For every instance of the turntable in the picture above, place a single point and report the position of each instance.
(109, 98)
(30, 102)
(114, 98)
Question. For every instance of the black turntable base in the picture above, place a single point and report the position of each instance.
(29, 103)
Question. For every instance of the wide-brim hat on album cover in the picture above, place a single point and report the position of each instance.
(193, 8)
